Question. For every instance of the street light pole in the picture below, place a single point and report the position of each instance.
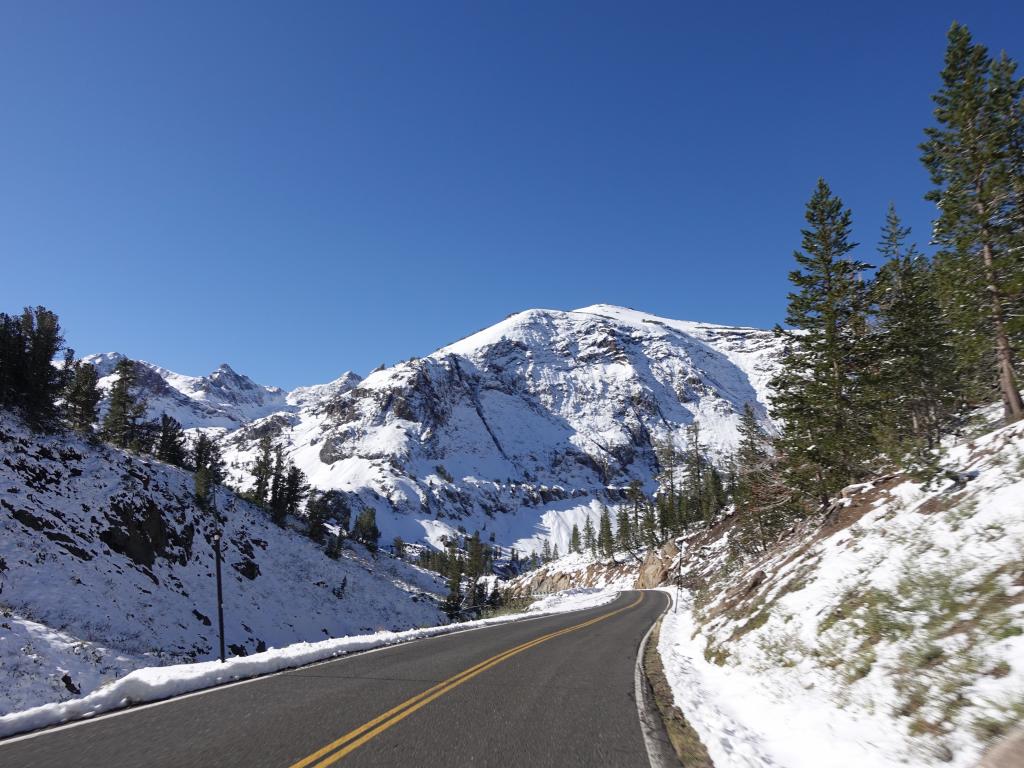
(220, 595)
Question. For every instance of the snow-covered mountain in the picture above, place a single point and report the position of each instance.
(524, 428)
(519, 430)
(224, 398)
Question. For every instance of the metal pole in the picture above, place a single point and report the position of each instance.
(220, 595)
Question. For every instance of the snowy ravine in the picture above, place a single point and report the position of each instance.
(106, 566)
(519, 431)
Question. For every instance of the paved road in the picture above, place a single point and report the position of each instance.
(554, 691)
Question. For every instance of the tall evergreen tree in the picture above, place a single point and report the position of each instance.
(623, 529)
(605, 541)
(589, 537)
(763, 502)
(916, 376)
(649, 526)
(821, 390)
(474, 566)
(277, 504)
(691, 505)
(973, 156)
(263, 471)
(170, 446)
(122, 426)
(635, 491)
(29, 381)
(206, 456)
(316, 516)
(713, 497)
(208, 464)
(295, 490)
(82, 397)
(453, 602)
(575, 546)
(365, 529)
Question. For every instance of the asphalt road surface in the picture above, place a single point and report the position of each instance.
(553, 691)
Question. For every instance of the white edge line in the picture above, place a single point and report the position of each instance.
(656, 746)
(88, 719)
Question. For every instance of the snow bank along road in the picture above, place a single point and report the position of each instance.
(553, 691)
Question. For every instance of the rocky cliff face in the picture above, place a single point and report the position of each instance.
(520, 430)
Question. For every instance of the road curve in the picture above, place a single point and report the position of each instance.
(554, 691)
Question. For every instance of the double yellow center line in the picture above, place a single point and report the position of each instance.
(354, 739)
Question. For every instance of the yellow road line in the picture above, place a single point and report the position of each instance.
(367, 731)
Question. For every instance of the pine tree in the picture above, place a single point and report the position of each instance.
(691, 506)
(29, 381)
(554, 551)
(333, 549)
(208, 464)
(121, 425)
(821, 390)
(337, 508)
(973, 156)
(82, 397)
(713, 497)
(605, 541)
(589, 537)
(366, 530)
(545, 552)
(206, 456)
(263, 472)
(763, 503)
(278, 509)
(574, 540)
(40, 381)
(623, 529)
(316, 516)
(474, 565)
(453, 603)
(635, 490)
(916, 378)
(295, 490)
(649, 526)
(170, 445)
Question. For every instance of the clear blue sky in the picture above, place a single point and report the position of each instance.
(304, 188)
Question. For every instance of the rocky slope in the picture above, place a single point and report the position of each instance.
(519, 430)
(106, 566)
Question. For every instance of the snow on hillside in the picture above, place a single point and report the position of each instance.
(106, 566)
(894, 635)
(525, 428)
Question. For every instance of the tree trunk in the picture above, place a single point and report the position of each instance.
(1013, 406)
